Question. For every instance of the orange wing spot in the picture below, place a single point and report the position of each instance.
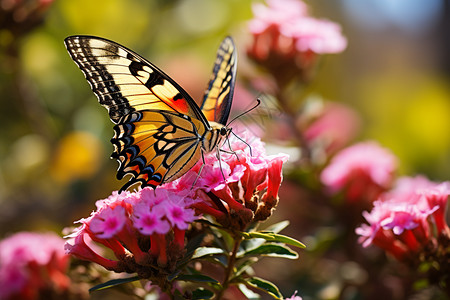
(181, 105)
(132, 169)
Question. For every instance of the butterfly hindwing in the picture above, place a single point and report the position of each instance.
(155, 146)
(216, 104)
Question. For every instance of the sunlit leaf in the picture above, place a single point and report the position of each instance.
(206, 251)
(276, 228)
(265, 286)
(248, 292)
(112, 283)
(273, 237)
(273, 250)
(245, 266)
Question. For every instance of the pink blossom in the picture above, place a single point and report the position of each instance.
(294, 297)
(30, 263)
(243, 183)
(286, 40)
(108, 222)
(318, 36)
(149, 221)
(134, 226)
(177, 215)
(400, 221)
(362, 171)
(278, 13)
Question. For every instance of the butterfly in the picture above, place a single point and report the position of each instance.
(160, 132)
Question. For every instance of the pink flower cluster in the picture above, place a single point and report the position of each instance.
(142, 229)
(284, 33)
(33, 264)
(147, 228)
(407, 218)
(361, 172)
(240, 187)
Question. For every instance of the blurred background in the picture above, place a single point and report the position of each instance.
(54, 136)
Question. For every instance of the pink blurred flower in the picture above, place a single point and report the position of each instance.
(286, 40)
(20, 17)
(361, 171)
(400, 221)
(332, 127)
(33, 263)
(294, 297)
(134, 226)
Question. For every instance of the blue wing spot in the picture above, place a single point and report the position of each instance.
(157, 177)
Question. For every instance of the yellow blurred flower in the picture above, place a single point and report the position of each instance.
(76, 157)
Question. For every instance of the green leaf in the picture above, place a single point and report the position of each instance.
(197, 278)
(272, 250)
(207, 251)
(251, 295)
(276, 228)
(202, 293)
(265, 286)
(112, 283)
(244, 266)
(273, 237)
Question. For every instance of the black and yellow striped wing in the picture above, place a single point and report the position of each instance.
(156, 146)
(218, 96)
(158, 125)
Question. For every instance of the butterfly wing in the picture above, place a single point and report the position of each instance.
(219, 93)
(125, 81)
(156, 146)
(158, 124)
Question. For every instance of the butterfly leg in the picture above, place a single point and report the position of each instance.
(200, 171)
(239, 138)
(220, 161)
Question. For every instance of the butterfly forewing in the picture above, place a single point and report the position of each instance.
(124, 81)
(219, 92)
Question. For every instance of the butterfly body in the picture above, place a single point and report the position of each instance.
(160, 131)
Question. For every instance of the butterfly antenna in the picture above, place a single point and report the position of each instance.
(258, 102)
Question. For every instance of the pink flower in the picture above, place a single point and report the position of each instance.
(108, 222)
(286, 41)
(294, 297)
(278, 13)
(314, 35)
(240, 187)
(134, 226)
(400, 221)
(361, 171)
(149, 221)
(31, 263)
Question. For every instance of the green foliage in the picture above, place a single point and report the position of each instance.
(113, 283)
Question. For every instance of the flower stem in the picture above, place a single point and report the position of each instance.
(230, 266)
